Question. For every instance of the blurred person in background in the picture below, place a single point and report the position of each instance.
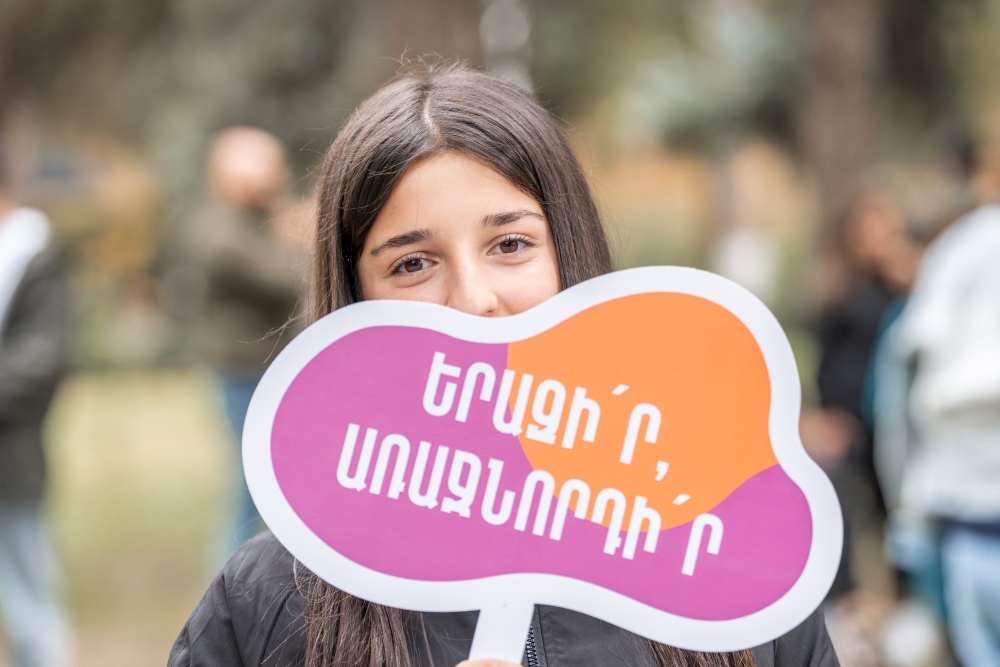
(251, 269)
(938, 421)
(34, 324)
(912, 544)
(859, 283)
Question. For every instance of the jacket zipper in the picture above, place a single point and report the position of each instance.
(530, 651)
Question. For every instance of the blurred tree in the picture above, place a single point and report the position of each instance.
(934, 90)
(46, 44)
(164, 74)
(882, 79)
(837, 107)
(585, 49)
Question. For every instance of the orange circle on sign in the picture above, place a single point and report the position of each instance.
(693, 360)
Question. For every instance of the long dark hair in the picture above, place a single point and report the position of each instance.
(426, 111)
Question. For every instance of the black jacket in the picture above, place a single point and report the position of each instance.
(33, 358)
(252, 615)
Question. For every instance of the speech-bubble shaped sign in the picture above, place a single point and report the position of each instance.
(628, 449)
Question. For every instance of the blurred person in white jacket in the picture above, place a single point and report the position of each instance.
(938, 428)
(34, 330)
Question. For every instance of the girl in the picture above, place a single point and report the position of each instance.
(453, 187)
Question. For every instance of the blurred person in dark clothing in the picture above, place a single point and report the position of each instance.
(867, 281)
(34, 319)
(860, 283)
(251, 270)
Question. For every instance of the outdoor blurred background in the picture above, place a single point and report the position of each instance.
(733, 135)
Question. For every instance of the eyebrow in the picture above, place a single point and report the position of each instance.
(415, 236)
(418, 235)
(500, 219)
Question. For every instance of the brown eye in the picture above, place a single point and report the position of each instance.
(413, 265)
(508, 246)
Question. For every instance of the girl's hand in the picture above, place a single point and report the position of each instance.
(487, 663)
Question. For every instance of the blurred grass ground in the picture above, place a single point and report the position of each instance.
(140, 471)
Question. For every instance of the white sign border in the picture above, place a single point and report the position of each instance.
(515, 590)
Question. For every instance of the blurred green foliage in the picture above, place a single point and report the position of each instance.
(122, 99)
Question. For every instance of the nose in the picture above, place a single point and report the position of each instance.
(472, 292)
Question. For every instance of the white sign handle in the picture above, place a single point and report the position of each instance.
(502, 631)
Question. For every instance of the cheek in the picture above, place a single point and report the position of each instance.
(369, 286)
(373, 284)
(537, 283)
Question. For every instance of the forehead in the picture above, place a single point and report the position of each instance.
(448, 188)
(455, 177)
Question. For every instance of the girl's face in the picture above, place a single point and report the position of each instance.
(457, 233)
